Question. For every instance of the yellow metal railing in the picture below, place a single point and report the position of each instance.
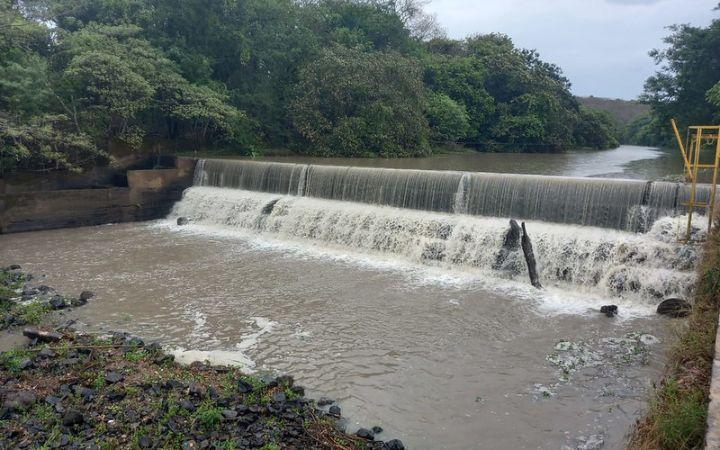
(699, 138)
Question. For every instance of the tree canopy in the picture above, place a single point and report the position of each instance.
(330, 77)
(685, 87)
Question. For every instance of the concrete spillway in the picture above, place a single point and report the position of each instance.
(629, 205)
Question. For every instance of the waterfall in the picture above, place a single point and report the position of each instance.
(629, 205)
(646, 267)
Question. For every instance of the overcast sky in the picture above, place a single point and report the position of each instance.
(601, 45)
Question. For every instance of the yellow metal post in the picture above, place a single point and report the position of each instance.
(691, 153)
(713, 189)
(682, 146)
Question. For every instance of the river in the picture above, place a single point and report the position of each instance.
(404, 316)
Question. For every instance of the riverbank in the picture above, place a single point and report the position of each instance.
(76, 390)
(677, 418)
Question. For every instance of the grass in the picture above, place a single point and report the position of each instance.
(209, 416)
(677, 416)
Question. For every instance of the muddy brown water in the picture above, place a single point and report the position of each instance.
(626, 161)
(438, 358)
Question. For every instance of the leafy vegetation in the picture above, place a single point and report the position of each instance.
(332, 77)
(686, 87)
(677, 416)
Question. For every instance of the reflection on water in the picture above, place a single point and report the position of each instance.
(626, 161)
(439, 360)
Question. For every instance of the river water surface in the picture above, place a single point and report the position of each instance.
(441, 354)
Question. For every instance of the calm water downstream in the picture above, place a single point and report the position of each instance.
(406, 317)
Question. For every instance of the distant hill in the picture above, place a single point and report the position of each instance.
(624, 111)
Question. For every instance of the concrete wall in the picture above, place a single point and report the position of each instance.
(150, 195)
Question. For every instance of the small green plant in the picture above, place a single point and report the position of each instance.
(31, 313)
(135, 355)
(682, 419)
(11, 360)
(270, 446)
(99, 381)
(228, 445)
(209, 416)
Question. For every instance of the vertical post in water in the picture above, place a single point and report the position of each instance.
(693, 188)
(530, 258)
(713, 189)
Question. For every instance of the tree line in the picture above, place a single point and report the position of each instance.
(685, 88)
(321, 77)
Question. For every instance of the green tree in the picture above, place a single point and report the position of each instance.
(355, 103)
(448, 120)
(682, 88)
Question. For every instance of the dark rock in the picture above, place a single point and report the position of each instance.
(57, 302)
(212, 393)
(395, 444)
(75, 302)
(364, 433)
(113, 377)
(19, 400)
(153, 347)
(229, 414)
(134, 341)
(244, 387)
(279, 397)
(73, 417)
(41, 336)
(674, 307)
(335, 411)
(285, 381)
(324, 401)
(298, 390)
(163, 359)
(173, 384)
(116, 395)
(86, 295)
(47, 352)
(144, 442)
(52, 400)
(44, 289)
(182, 221)
(377, 430)
(609, 310)
(268, 380)
(25, 364)
(187, 404)
(14, 267)
(196, 390)
(85, 393)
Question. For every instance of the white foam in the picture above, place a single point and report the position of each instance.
(582, 268)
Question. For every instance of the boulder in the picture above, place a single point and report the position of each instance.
(57, 302)
(394, 444)
(674, 307)
(19, 400)
(609, 310)
(86, 295)
(335, 411)
(73, 417)
(364, 433)
(41, 336)
(182, 221)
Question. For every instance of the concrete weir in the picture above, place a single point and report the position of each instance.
(34, 204)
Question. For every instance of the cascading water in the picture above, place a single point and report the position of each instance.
(614, 263)
(629, 205)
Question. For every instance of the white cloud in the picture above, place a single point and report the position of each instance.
(602, 45)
